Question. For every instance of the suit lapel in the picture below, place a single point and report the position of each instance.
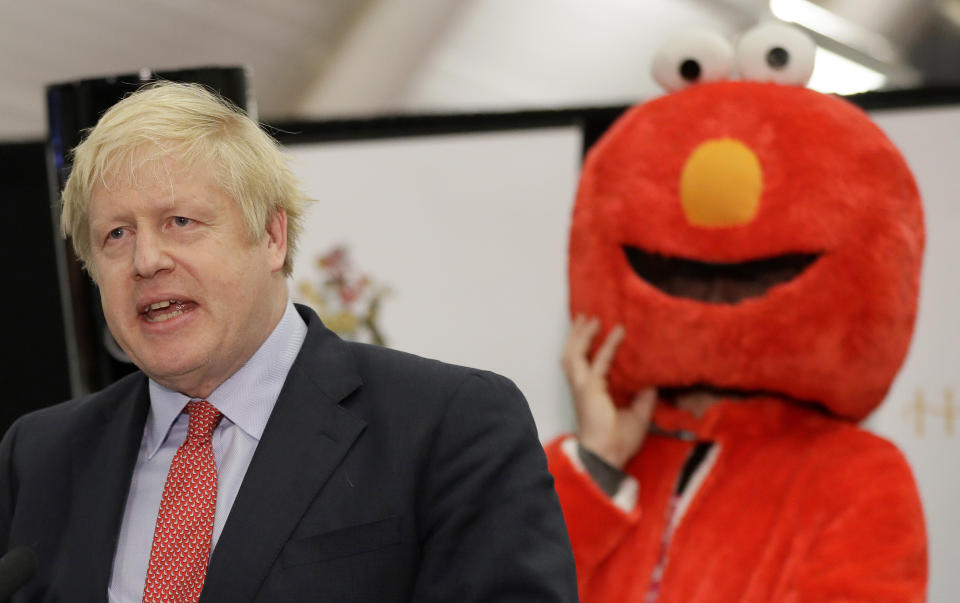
(306, 437)
(104, 456)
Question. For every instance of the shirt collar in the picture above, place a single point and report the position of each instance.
(247, 397)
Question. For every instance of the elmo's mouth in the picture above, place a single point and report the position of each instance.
(716, 283)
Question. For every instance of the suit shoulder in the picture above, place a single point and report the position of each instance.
(62, 417)
(378, 362)
(403, 384)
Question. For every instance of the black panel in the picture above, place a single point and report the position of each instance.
(34, 360)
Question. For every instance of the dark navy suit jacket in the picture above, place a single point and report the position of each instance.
(380, 477)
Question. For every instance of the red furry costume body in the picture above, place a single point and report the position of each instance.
(799, 504)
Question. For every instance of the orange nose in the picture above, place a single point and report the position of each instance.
(721, 184)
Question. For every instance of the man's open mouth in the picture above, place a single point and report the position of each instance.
(165, 310)
(716, 283)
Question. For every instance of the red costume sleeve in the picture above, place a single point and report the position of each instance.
(595, 524)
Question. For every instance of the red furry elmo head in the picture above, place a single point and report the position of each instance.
(750, 236)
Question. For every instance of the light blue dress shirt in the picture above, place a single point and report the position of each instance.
(246, 400)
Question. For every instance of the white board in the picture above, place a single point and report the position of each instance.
(469, 233)
(922, 411)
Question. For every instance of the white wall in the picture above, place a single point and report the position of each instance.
(922, 411)
(469, 232)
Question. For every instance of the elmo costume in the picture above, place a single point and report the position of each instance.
(762, 242)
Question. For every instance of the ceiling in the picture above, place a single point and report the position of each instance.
(318, 58)
(285, 42)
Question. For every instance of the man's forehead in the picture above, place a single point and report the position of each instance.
(142, 168)
(161, 184)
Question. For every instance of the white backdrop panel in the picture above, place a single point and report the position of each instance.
(469, 232)
(920, 413)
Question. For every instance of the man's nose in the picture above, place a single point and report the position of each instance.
(150, 255)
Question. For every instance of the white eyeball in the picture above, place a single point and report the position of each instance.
(776, 52)
(692, 57)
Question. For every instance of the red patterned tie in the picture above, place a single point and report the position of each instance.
(181, 541)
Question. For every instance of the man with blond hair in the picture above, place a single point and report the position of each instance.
(256, 456)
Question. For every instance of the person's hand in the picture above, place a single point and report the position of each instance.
(614, 434)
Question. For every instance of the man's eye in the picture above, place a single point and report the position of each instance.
(116, 233)
(181, 221)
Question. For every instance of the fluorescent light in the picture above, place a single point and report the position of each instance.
(818, 19)
(839, 75)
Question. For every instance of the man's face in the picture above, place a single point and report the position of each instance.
(186, 292)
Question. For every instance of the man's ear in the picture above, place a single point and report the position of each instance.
(277, 239)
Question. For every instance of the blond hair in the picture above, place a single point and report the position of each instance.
(191, 125)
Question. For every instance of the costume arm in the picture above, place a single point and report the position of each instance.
(873, 546)
(595, 523)
(490, 524)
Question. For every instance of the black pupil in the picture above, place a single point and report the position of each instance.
(778, 58)
(690, 70)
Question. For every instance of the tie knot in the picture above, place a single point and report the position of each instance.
(203, 420)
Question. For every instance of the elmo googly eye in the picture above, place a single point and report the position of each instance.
(691, 58)
(775, 52)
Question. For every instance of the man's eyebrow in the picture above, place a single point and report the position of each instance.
(99, 223)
